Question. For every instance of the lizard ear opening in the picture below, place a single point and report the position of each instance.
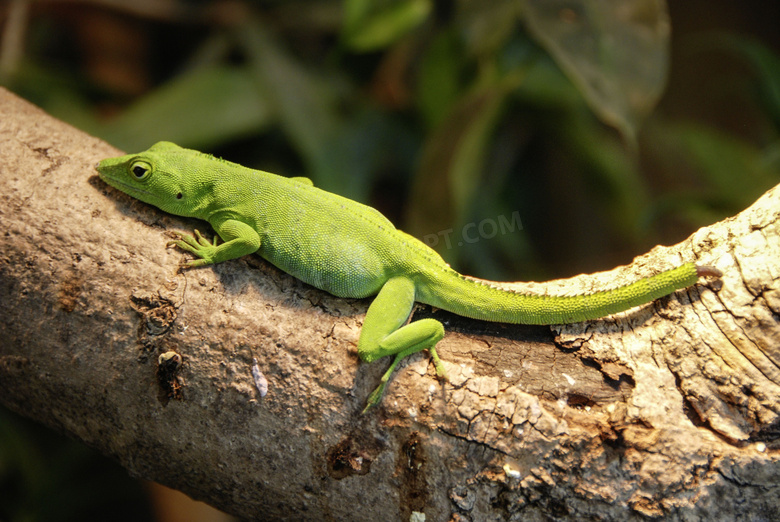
(140, 170)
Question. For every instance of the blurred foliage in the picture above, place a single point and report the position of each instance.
(43, 478)
(377, 24)
(615, 52)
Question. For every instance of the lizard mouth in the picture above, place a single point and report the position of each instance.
(126, 187)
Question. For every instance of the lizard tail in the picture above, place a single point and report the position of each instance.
(487, 301)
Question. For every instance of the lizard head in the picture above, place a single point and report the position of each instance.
(160, 176)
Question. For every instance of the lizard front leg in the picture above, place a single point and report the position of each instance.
(239, 238)
(384, 332)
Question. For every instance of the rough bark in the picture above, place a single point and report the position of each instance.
(668, 410)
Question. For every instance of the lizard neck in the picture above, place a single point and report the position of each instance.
(235, 192)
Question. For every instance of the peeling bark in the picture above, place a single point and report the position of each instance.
(670, 409)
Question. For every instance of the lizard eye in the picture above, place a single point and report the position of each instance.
(140, 169)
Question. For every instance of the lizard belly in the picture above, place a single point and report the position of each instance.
(342, 268)
(332, 243)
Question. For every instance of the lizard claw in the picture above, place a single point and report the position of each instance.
(198, 245)
(441, 372)
(375, 397)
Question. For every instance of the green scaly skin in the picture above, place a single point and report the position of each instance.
(349, 250)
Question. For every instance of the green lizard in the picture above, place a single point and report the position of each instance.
(350, 250)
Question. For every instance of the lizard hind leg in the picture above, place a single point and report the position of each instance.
(384, 332)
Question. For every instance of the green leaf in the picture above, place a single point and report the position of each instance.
(438, 83)
(733, 171)
(766, 66)
(486, 25)
(615, 51)
(304, 103)
(197, 109)
(340, 150)
(451, 164)
(370, 24)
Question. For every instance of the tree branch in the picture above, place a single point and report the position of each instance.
(669, 409)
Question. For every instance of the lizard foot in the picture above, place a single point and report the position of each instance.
(375, 397)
